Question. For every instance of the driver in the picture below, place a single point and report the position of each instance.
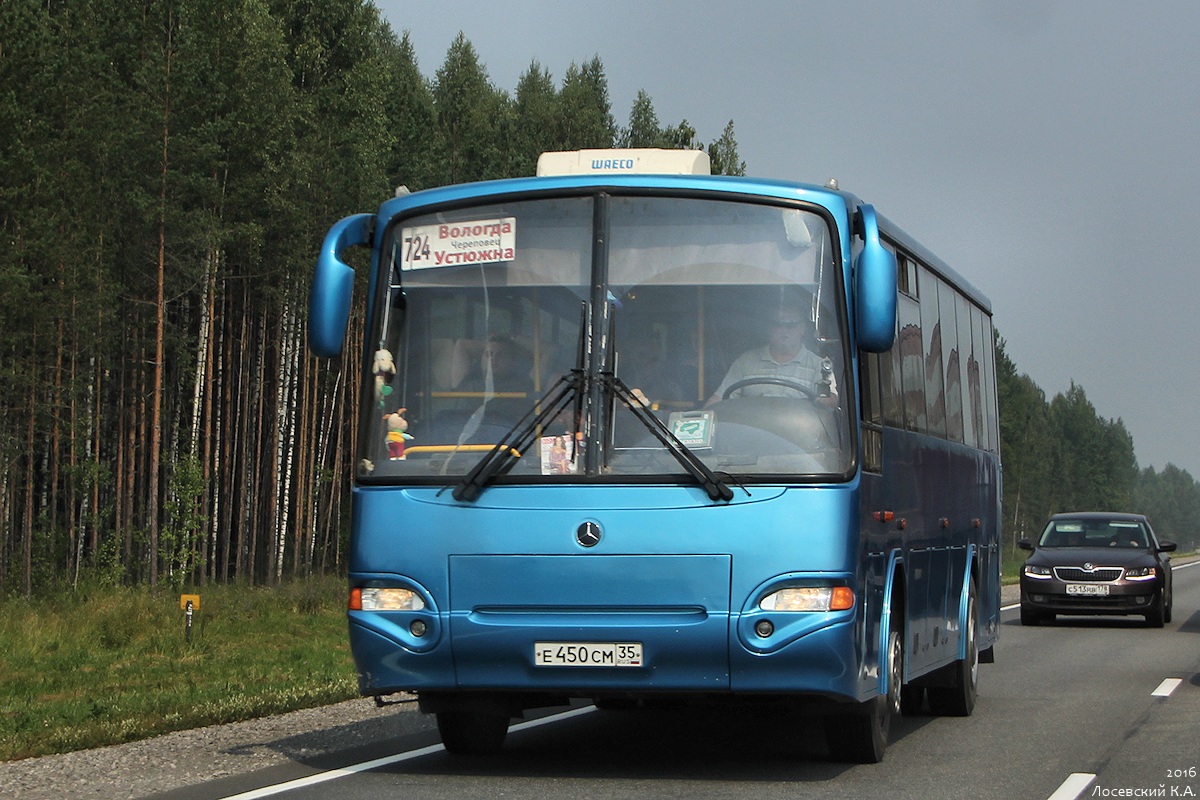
(785, 356)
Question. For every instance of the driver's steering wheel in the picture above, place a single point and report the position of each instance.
(807, 391)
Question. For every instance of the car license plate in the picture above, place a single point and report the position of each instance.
(1087, 588)
(587, 654)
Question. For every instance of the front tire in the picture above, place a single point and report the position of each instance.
(472, 733)
(861, 736)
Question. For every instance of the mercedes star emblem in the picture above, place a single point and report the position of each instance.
(588, 534)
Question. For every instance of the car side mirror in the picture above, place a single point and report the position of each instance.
(1025, 544)
(1165, 546)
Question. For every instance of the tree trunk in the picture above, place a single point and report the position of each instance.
(159, 326)
(27, 539)
(206, 454)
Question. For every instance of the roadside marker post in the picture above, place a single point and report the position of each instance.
(189, 603)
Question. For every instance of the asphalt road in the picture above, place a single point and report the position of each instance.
(1078, 708)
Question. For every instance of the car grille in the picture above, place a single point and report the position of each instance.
(1113, 603)
(1097, 574)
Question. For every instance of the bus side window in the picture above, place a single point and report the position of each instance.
(931, 337)
(872, 410)
(912, 363)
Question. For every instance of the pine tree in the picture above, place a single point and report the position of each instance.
(723, 153)
(465, 106)
(536, 110)
(411, 117)
(643, 129)
(585, 116)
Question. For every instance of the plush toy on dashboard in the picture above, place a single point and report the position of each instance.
(385, 370)
(397, 434)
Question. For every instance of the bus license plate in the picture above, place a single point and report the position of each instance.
(1087, 588)
(587, 654)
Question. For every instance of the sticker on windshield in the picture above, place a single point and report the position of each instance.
(483, 241)
(693, 429)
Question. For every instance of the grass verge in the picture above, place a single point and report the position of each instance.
(105, 666)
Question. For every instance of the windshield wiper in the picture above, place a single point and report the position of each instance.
(712, 483)
(575, 386)
(519, 437)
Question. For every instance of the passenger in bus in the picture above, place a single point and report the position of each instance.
(495, 392)
(503, 368)
(499, 388)
(788, 355)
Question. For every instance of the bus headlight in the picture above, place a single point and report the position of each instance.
(381, 599)
(809, 598)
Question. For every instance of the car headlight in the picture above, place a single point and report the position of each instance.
(1141, 573)
(381, 599)
(1041, 573)
(809, 598)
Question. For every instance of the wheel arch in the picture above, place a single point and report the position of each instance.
(964, 597)
(893, 614)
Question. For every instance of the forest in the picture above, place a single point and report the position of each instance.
(167, 171)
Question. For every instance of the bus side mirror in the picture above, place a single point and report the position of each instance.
(333, 285)
(874, 288)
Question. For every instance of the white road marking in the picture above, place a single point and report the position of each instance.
(1073, 786)
(1166, 687)
(334, 774)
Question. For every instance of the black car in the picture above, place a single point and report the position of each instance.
(1096, 563)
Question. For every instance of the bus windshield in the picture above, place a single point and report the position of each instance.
(724, 320)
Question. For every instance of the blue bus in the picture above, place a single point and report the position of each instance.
(631, 433)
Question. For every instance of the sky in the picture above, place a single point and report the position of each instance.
(1046, 149)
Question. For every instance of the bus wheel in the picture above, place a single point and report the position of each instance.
(472, 733)
(861, 736)
(958, 698)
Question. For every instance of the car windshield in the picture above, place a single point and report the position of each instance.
(1094, 533)
(483, 312)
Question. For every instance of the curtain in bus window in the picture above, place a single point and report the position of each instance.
(872, 411)
(991, 414)
(966, 357)
(975, 377)
(950, 346)
(912, 363)
(893, 397)
(890, 365)
(931, 329)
